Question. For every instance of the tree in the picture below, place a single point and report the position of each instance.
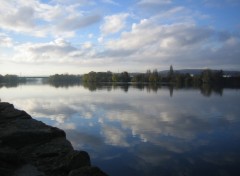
(124, 77)
(115, 77)
(207, 76)
(139, 78)
(187, 79)
(171, 74)
(218, 77)
(1, 78)
(154, 78)
(90, 77)
(147, 75)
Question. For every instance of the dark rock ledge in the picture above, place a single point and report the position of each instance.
(31, 148)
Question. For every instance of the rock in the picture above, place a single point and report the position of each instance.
(87, 171)
(9, 161)
(28, 170)
(7, 112)
(78, 159)
(32, 148)
(20, 133)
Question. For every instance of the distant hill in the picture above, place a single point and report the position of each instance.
(199, 71)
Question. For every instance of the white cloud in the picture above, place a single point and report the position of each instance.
(156, 44)
(232, 41)
(110, 2)
(49, 12)
(100, 39)
(66, 126)
(114, 23)
(114, 136)
(17, 19)
(154, 2)
(40, 19)
(5, 40)
(77, 22)
(178, 14)
(170, 36)
(149, 44)
(55, 51)
(90, 35)
(220, 3)
(87, 45)
(70, 2)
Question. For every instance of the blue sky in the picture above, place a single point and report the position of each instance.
(44, 37)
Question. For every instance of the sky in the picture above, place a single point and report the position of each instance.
(45, 37)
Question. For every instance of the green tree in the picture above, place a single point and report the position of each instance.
(139, 78)
(218, 77)
(207, 76)
(115, 77)
(10, 78)
(124, 77)
(187, 80)
(154, 77)
(171, 74)
(147, 75)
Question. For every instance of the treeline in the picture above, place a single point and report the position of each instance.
(210, 77)
(64, 78)
(206, 77)
(148, 77)
(96, 77)
(11, 79)
(124, 77)
(171, 77)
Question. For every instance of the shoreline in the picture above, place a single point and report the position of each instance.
(30, 147)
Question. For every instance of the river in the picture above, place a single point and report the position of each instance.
(141, 130)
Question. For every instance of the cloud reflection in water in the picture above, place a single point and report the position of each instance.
(151, 131)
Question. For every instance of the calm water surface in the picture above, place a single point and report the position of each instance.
(142, 131)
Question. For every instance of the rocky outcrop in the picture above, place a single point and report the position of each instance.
(31, 148)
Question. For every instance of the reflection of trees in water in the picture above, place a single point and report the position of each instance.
(207, 90)
(63, 85)
(139, 86)
(171, 90)
(121, 86)
(125, 87)
(152, 87)
(9, 85)
(91, 86)
(105, 86)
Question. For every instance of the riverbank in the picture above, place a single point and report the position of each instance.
(31, 148)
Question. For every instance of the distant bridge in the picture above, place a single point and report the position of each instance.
(33, 77)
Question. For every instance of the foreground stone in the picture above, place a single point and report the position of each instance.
(31, 148)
